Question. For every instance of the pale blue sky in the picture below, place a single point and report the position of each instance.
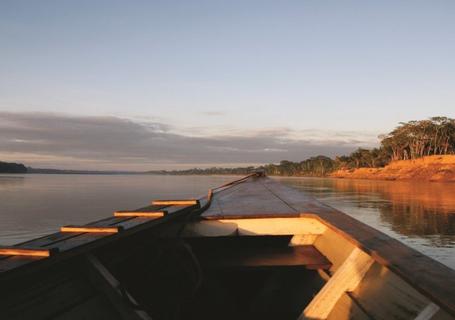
(314, 70)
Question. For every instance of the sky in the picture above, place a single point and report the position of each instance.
(138, 85)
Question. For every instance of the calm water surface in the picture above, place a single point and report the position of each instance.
(422, 215)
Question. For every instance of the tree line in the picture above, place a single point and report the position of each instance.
(409, 140)
(9, 167)
(415, 139)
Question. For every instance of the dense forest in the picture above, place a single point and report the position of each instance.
(7, 167)
(409, 140)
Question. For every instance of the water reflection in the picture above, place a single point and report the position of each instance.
(8, 182)
(418, 213)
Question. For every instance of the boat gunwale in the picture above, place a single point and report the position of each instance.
(35, 265)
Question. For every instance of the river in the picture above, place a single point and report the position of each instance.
(422, 215)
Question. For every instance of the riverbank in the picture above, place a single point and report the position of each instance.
(432, 168)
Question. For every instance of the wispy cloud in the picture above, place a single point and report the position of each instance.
(213, 113)
(48, 139)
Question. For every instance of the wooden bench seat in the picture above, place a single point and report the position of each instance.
(306, 255)
(256, 252)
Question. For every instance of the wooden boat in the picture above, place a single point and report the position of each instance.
(251, 249)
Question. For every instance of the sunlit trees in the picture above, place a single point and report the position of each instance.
(415, 139)
(410, 140)
(317, 166)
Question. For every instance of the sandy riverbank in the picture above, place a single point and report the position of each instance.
(431, 168)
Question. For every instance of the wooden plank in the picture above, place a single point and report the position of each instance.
(303, 239)
(91, 229)
(50, 239)
(430, 310)
(299, 201)
(346, 278)
(385, 295)
(27, 251)
(338, 253)
(347, 309)
(347, 306)
(249, 198)
(186, 202)
(110, 286)
(428, 276)
(144, 214)
(81, 242)
(267, 257)
(255, 251)
(265, 226)
(277, 226)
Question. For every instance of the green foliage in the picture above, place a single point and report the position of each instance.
(208, 171)
(314, 166)
(415, 139)
(409, 140)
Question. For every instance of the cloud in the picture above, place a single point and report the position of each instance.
(59, 140)
(213, 113)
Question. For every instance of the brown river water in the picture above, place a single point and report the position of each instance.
(422, 215)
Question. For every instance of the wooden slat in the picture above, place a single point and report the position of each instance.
(27, 251)
(144, 214)
(303, 239)
(54, 238)
(265, 226)
(428, 312)
(70, 241)
(347, 309)
(91, 229)
(186, 202)
(347, 306)
(346, 278)
(255, 251)
(306, 256)
(247, 199)
(336, 254)
(384, 294)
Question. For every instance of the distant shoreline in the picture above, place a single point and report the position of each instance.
(437, 168)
